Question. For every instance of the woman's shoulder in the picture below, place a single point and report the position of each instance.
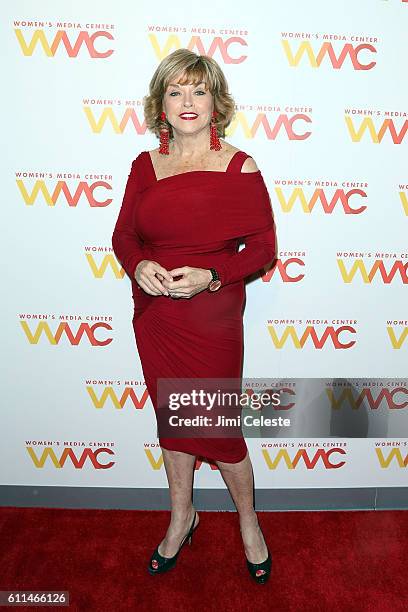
(142, 155)
(249, 164)
(141, 161)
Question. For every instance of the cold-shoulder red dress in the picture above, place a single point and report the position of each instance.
(197, 219)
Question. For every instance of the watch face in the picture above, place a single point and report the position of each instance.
(214, 285)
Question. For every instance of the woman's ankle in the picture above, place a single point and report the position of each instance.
(249, 519)
(182, 515)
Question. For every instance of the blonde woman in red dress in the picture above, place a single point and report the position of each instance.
(187, 204)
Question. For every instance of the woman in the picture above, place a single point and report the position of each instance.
(186, 205)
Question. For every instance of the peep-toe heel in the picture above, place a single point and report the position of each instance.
(159, 564)
(261, 572)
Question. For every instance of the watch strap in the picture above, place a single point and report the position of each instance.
(214, 275)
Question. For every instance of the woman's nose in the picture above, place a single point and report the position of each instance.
(188, 100)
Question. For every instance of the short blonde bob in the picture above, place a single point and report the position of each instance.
(194, 69)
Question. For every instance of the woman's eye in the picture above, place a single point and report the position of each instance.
(172, 93)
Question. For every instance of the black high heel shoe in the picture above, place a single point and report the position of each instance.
(261, 572)
(159, 564)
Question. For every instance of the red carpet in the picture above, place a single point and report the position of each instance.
(341, 561)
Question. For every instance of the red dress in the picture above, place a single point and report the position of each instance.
(194, 219)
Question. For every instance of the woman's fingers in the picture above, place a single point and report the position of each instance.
(158, 271)
(181, 294)
(180, 271)
(156, 286)
(163, 272)
(149, 287)
(148, 279)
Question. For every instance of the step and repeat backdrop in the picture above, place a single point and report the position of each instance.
(321, 105)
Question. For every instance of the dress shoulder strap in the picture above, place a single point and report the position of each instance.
(236, 162)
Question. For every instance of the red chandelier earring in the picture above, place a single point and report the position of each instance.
(215, 144)
(164, 137)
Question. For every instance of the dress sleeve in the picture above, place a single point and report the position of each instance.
(127, 245)
(260, 249)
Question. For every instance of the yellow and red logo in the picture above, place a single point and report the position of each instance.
(63, 39)
(72, 330)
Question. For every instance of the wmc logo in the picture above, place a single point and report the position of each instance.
(109, 398)
(368, 397)
(303, 458)
(229, 48)
(48, 457)
(309, 335)
(325, 52)
(61, 193)
(320, 200)
(75, 335)
(375, 133)
(69, 43)
(377, 270)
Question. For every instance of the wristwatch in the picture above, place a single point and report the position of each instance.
(215, 282)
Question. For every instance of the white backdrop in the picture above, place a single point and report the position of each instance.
(321, 94)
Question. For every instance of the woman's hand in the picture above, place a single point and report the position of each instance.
(193, 281)
(149, 274)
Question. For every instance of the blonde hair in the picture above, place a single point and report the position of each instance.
(194, 69)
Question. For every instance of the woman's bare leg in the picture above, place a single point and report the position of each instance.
(239, 480)
(179, 470)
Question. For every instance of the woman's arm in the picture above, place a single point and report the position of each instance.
(126, 243)
(260, 249)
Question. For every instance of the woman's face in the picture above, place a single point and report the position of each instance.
(188, 108)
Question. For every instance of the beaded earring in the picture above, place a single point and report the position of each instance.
(215, 144)
(164, 137)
